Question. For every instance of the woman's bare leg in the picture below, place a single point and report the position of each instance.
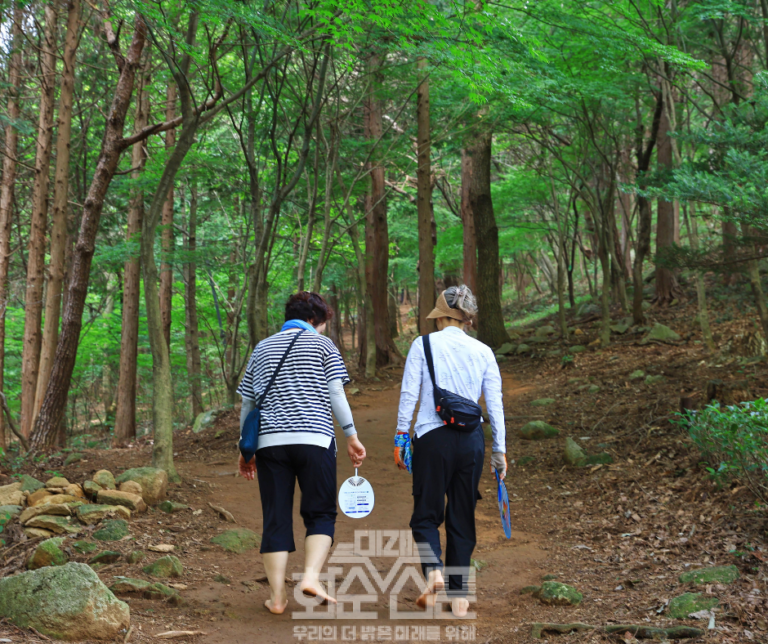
(275, 564)
(316, 548)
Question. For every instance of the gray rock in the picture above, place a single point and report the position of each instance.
(205, 420)
(654, 380)
(10, 510)
(31, 484)
(522, 348)
(537, 430)
(637, 375)
(153, 481)
(660, 333)
(545, 330)
(621, 328)
(577, 348)
(66, 602)
(573, 454)
(505, 348)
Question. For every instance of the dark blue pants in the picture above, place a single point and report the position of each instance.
(278, 468)
(446, 462)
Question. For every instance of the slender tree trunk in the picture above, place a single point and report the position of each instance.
(643, 244)
(377, 231)
(468, 221)
(701, 289)
(729, 232)
(33, 302)
(753, 270)
(166, 268)
(490, 319)
(424, 204)
(334, 325)
(59, 234)
(7, 185)
(192, 335)
(55, 401)
(667, 288)
(125, 416)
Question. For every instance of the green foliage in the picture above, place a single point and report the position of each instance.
(733, 441)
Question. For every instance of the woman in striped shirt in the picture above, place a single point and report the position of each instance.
(297, 440)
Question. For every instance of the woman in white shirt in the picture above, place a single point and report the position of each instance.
(447, 461)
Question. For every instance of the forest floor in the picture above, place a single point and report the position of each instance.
(620, 533)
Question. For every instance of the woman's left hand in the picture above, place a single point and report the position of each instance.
(247, 470)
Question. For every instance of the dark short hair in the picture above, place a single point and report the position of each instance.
(308, 306)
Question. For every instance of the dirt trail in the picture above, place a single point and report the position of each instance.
(238, 610)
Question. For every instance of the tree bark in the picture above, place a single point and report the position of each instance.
(166, 269)
(701, 289)
(55, 401)
(376, 229)
(125, 416)
(491, 329)
(667, 288)
(33, 301)
(59, 234)
(192, 332)
(643, 244)
(7, 185)
(424, 204)
(468, 221)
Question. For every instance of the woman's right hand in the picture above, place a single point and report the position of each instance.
(247, 470)
(355, 450)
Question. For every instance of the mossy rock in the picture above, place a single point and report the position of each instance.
(537, 430)
(505, 349)
(660, 333)
(577, 348)
(9, 511)
(542, 402)
(205, 419)
(522, 348)
(85, 547)
(237, 540)
(153, 481)
(73, 458)
(112, 530)
(105, 479)
(48, 553)
(530, 590)
(654, 380)
(56, 482)
(145, 589)
(593, 389)
(92, 489)
(31, 484)
(106, 557)
(682, 606)
(637, 375)
(165, 567)
(526, 460)
(478, 564)
(714, 575)
(604, 458)
(66, 602)
(573, 454)
(171, 507)
(221, 579)
(136, 556)
(553, 593)
(549, 578)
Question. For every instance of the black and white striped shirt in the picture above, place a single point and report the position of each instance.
(297, 409)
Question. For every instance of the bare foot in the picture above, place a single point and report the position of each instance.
(435, 584)
(312, 588)
(276, 606)
(459, 606)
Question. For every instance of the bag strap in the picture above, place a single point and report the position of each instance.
(277, 370)
(430, 365)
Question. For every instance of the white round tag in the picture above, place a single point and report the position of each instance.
(356, 497)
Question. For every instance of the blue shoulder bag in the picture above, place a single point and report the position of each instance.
(249, 434)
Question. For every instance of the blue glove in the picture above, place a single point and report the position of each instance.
(403, 451)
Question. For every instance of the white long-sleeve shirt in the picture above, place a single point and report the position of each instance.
(463, 366)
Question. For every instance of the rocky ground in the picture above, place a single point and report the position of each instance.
(616, 524)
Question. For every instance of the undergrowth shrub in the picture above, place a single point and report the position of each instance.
(734, 442)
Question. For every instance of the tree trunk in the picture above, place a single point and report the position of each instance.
(424, 204)
(667, 288)
(33, 301)
(490, 319)
(644, 152)
(377, 231)
(55, 401)
(192, 332)
(468, 222)
(7, 185)
(59, 234)
(730, 233)
(753, 271)
(166, 268)
(701, 289)
(125, 416)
